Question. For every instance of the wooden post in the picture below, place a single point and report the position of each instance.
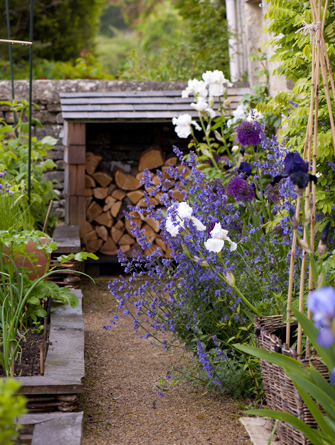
(74, 180)
(42, 358)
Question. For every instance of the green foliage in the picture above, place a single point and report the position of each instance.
(178, 41)
(314, 389)
(293, 52)
(84, 67)
(14, 160)
(61, 28)
(11, 407)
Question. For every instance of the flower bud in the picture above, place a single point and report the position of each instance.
(235, 149)
(323, 240)
(304, 245)
(226, 103)
(230, 278)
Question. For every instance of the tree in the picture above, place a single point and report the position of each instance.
(61, 27)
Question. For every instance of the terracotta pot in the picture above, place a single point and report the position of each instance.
(42, 259)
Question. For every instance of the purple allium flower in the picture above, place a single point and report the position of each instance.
(272, 193)
(7, 190)
(321, 302)
(332, 376)
(293, 163)
(240, 189)
(248, 133)
(10, 192)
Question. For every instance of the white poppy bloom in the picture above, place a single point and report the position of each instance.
(183, 125)
(202, 106)
(216, 82)
(214, 245)
(197, 87)
(198, 224)
(219, 233)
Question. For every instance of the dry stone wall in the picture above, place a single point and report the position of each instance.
(46, 96)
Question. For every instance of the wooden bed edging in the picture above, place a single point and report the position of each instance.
(52, 428)
(64, 365)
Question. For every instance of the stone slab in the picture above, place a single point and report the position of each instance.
(259, 431)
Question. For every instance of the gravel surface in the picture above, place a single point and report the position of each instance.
(122, 372)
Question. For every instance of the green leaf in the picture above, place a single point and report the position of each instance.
(67, 297)
(33, 300)
(314, 436)
(41, 312)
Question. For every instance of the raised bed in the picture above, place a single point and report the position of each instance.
(58, 388)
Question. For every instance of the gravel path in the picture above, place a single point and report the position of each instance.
(121, 376)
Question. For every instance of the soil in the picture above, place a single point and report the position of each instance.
(122, 372)
(29, 362)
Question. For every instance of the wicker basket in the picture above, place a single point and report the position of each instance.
(281, 394)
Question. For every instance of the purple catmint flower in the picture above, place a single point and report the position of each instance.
(272, 193)
(240, 189)
(321, 302)
(248, 133)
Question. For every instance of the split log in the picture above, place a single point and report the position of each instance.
(109, 201)
(109, 247)
(153, 158)
(151, 249)
(100, 192)
(103, 178)
(173, 161)
(92, 162)
(139, 176)
(181, 169)
(124, 208)
(160, 243)
(118, 194)
(155, 179)
(134, 170)
(105, 219)
(152, 223)
(111, 189)
(93, 211)
(116, 234)
(153, 202)
(149, 233)
(126, 182)
(177, 194)
(92, 235)
(168, 253)
(119, 225)
(89, 182)
(88, 192)
(127, 239)
(88, 227)
(124, 247)
(102, 232)
(137, 220)
(93, 246)
(88, 201)
(135, 196)
(116, 208)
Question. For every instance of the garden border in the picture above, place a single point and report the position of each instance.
(64, 366)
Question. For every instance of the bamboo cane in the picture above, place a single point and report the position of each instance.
(304, 255)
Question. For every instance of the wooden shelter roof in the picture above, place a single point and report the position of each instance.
(135, 105)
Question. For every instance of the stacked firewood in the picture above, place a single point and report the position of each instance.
(108, 195)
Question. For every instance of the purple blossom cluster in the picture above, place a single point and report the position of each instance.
(249, 133)
(179, 295)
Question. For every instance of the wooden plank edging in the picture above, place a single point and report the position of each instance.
(64, 365)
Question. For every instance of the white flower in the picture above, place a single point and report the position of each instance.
(198, 224)
(197, 87)
(218, 232)
(214, 245)
(240, 113)
(183, 125)
(173, 227)
(235, 149)
(233, 246)
(216, 82)
(184, 210)
(254, 115)
(202, 106)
